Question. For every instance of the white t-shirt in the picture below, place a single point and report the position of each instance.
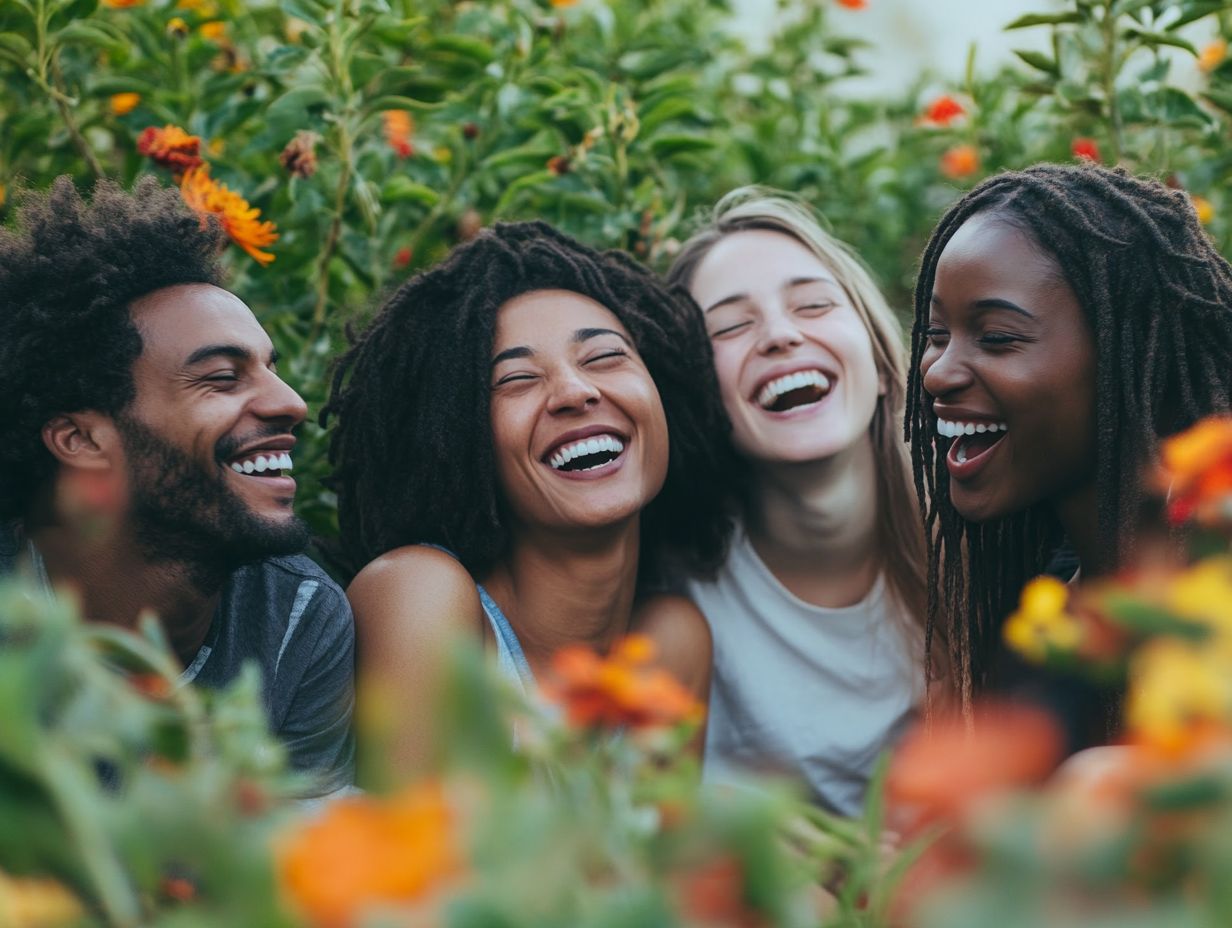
(811, 692)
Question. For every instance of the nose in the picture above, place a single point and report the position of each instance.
(572, 391)
(278, 401)
(779, 332)
(945, 373)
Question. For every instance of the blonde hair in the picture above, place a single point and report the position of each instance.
(899, 518)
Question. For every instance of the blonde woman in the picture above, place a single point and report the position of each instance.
(816, 611)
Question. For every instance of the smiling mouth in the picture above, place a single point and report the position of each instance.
(792, 391)
(587, 453)
(267, 464)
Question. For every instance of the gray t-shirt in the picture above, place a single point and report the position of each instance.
(814, 693)
(285, 614)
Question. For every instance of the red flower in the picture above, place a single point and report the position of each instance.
(398, 130)
(1085, 149)
(171, 147)
(853, 4)
(943, 111)
(402, 258)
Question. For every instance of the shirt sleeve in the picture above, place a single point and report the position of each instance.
(316, 728)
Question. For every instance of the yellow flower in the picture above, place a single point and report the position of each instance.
(177, 28)
(215, 147)
(124, 103)
(1178, 691)
(1203, 593)
(4, 194)
(205, 8)
(560, 4)
(215, 31)
(27, 902)
(1202, 206)
(241, 222)
(1212, 55)
(1041, 623)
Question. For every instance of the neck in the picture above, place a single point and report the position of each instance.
(558, 590)
(116, 583)
(815, 523)
(1078, 513)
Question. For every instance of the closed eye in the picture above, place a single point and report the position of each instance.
(607, 355)
(998, 338)
(936, 336)
(513, 378)
(727, 330)
(815, 307)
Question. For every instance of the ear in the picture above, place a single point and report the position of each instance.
(88, 440)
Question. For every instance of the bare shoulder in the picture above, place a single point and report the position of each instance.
(415, 589)
(681, 634)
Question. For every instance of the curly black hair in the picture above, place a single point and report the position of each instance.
(68, 272)
(412, 445)
(1158, 298)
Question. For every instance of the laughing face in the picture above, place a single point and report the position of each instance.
(794, 360)
(1010, 365)
(578, 428)
(208, 439)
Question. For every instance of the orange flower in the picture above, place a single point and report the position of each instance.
(561, 4)
(122, 4)
(713, 893)
(214, 31)
(620, 690)
(171, 147)
(398, 129)
(124, 103)
(853, 4)
(1212, 55)
(937, 772)
(240, 221)
(960, 161)
(150, 685)
(366, 851)
(943, 111)
(1196, 470)
(1085, 149)
(1202, 206)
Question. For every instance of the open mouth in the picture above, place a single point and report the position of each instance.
(973, 439)
(262, 464)
(803, 388)
(587, 453)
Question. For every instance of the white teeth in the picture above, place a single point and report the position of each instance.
(948, 429)
(284, 462)
(586, 446)
(261, 466)
(249, 467)
(962, 454)
(776, 388)
(261, 463)
(238, 468)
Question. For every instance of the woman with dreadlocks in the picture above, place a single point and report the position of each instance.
(518, 439)
(817, 610)
(1066, 319)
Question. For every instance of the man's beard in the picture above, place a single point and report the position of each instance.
(183, 512)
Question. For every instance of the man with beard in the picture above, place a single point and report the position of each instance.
(146, 445)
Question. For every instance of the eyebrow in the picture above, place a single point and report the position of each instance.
(581, 335)
(794, 282)
(988, 305)
(237, 352)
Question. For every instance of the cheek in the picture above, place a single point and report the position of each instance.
(728, 359)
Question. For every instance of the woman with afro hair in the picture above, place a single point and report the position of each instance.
(519, 448)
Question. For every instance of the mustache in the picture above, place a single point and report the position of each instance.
(227, 446)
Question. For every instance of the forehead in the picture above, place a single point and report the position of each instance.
(176, 321)
(547, 316)
(987, 251)
(743, 261)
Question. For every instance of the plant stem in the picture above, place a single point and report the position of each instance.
(1109, 79)
(66, 115)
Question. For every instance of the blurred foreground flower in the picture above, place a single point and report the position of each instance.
(853, 4)
(1042, 623)
(27, 902)
(623, 689)
(1212, 55)
(399, 126)
(368, 852)
(1180, 694)
(960, 161)
(1196, 471)
(171, 147)
(208, 197)
(1085, 149)
(1202, 206)
(943, 111)
(121, 104)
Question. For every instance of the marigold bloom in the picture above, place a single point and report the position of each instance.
(621, 690)
(1212, 55)
(177, 28)
(853, 4)
(122, 104)
(1202, 206)
(943, 111)
(366, 851)
(171, 147)
(560, 4)
(960, 161)
(242, 222)
(1085, 149)
(122, 4)
(399, 127)
(1179, 692)
(214, 31)
(1041, 624)
(1196, 471)
(1203, 593)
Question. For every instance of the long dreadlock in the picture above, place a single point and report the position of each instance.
(412, 447)
(1158, 298)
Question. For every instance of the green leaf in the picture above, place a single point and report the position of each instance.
(105, 86)
(1038, 60)
(401, 189)
(1146, 619)
(534, 153)
(525, 182)
(1044, 19)
(465, 46)
(666, 110)
(16, 46)
(1195, 793)
(88, 33)
(1220, 98)
(1178, 106)
(1127, 7)
(668, 145)
(1155, 39)
(397, 102)
(1196, 12)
